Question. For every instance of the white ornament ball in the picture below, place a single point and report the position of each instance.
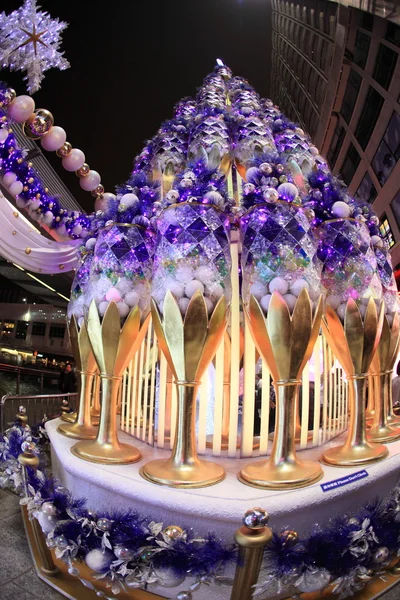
(299, 285)
(271, 195)
(287, 191)
(215, 290)
(3, 135)
(9, 178)
(21, 108)
(113, 295)
(252, 175)
(46, 523)
(172, 197)
(192, 286)
(90, 181)
(209, 305)
(168, 579)
(103, 201)
(16, 188)
(341, 210)
(278, 284)
(123, 309)
(264, 302)
(132, 298)
(124, 285)
(290, 301)
(54, 139)
(97, 560)
(48, 509)
(183, 304)
(257, 290)
(21, 203)
(90, 244)
(341, 311)
(184, 273)
(77, 229)
(204, 274)
(376, 241)
(103, 307)
(175, 288)
(48, 217)
(314, 150)
(74, 160)
(313, 580)
(129, 200)
(333, 301)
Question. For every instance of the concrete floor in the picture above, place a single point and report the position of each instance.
(18, 579)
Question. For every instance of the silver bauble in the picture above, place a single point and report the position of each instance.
(255, 518)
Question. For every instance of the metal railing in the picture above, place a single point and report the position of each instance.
(36, 407)
(39, 373)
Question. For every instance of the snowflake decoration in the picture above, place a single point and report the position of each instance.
(29, 41)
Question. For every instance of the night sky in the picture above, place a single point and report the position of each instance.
(131, 62)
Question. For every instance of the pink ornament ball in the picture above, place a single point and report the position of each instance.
(54, 139)
(74, 160)
(90, 181)
(103, 201)
(21, 109)
(113, 295)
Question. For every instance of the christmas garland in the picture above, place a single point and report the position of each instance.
(129, 551)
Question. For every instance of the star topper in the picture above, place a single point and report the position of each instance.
(29, 41)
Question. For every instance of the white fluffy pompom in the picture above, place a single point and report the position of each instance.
(131, 298)
(264, 302)
(124, 285)
(123, 309)
(204, 274)
(97, 560)
(389, 320)
(168, 578)
(298, 285)
(290, 301)
(81, 321)
(363, 309)
(184, 273)
(333, 301)
(278, 284)
(113, 295)
(209, 304)
(158, 294)
(48, 217)
(341, 210)
(192, 286)
(341, 311)
(90, 244)
(257, 290)
(215, 290)
(183, 304)
(46, 523)
(175, 288)
(103, 307)
(377, 241)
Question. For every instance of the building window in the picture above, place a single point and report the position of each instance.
(336, 145)
(385, 65)
(38, 329)
(22, 328)
(395, 206)
(8, 326)
(369, 116)
(366, 190)
(388, 151)
(386, 231)
(361, 49)
(350, 95)
(350, 164)
(367, 21)
(393, 33)
(57, 331)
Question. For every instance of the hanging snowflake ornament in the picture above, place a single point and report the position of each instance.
(29, 41)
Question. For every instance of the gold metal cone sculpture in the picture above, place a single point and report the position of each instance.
(95, 410)
(189, 347)
(354, 345)
(82, 428)
(285, 343)
(113, 348)
(383, 363)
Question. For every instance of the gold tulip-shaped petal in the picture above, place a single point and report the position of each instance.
(189, 346)
(113, 348)
(82, 428)
(383, 363)
(285, 343)
(354, 345)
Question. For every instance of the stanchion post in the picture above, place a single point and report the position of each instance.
(252, 538)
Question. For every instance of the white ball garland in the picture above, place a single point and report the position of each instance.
(132, 298)
(258, 290)
(204, 274)
(97, 560)
(299, 285)
(193, 286)
(264, 302)
(54, 139)
(290, 300)
(74, 160)
(341, 210)
(278, 284)
(90, 181)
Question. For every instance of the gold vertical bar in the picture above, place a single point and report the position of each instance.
(330, 394)
(317, 389)
(235, 348)
(122, 422)
(152, 385)
(172, 414)
(218, 398)
(305, 405)
(336, 399)
(265, 408)
(133, 394)
(161, 401)
(146, 385)
(325, 390)
(128, 397)
(246, 444)
(139, 423)
(202, 415)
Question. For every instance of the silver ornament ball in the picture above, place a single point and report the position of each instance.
(124, 553)
(381, 554)
(266, 168)
(104, 524)
(255, 518)
(184, 596)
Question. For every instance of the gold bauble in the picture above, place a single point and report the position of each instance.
(289, 537)
(64, 150)
(38, 124)
(9, 96)
(173, 532)
(83, 171)
(98, 191)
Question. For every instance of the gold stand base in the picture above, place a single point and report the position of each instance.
(353, 456)
(78, 432)
(225, 442)
(264, 474)
(95, 418)
(383, 434)
(393, 421)
(69, 417)
(200, 474)
(106, 454)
